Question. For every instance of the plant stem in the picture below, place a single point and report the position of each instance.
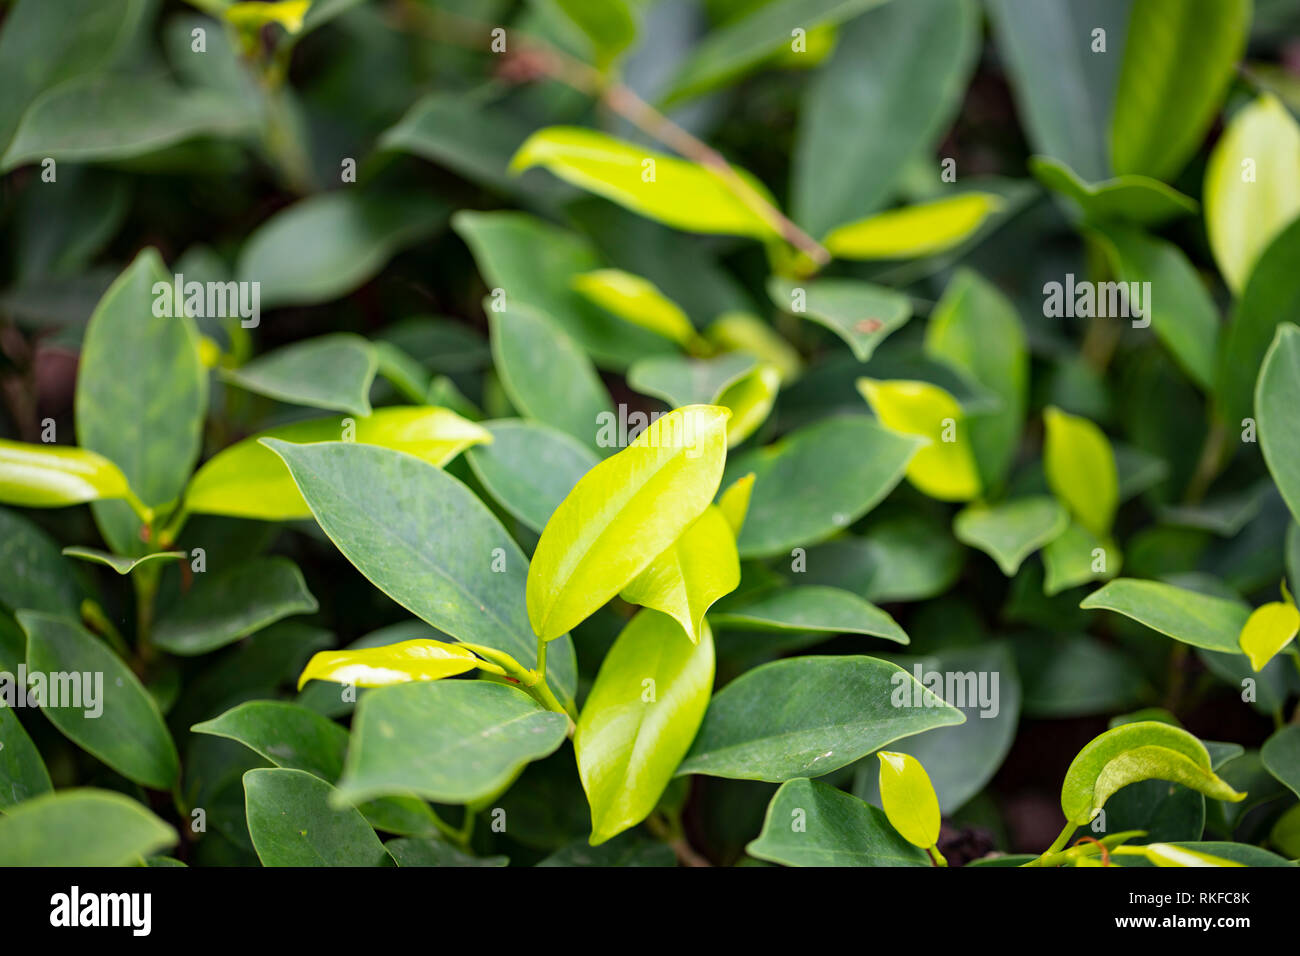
(1057, 845)
(1210, 462)
(670, 831)
(99, 622)
(936, 858)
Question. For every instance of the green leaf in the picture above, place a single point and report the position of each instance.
(51, 476)
(546, 375)
(975, 330)
(329, 371)
(683, 381)
(435, 851)
(225, 606)
(1013, 530)
(293, 823)
(628, 850)
(810, 714)
(622, 514)
(1252, 186)
(1064, 92)
(141, 394)
(109, 117)
(393, 664)
(425, 540)
(913, 231)
(1074, 675)
(22, 771)
(1133, 199)
(534, 263)
(1188, 616)
(945, 467)
(735, 48)
(1277, 396)
(1080, 467)
(609, 25)
(744, 332)
(1178, 61)
(80, 827)
(861, 314)
(35, 576)
(856, 464)
(813, 608)
(1281, 755)
(691, 574)
(811, 824)
(112, 716)
(447, 741)
(901, 67)
(673, 191)
(1146, 750)
(639, 719)
(1271, 297)
(1077, 556)
(288, 735)
(1269, 628)
(1183, 316)
(908, 799)
(1169, 854)
(529, 468)
(322, 247)
(636, 300)
(119, 564)
(247, 480)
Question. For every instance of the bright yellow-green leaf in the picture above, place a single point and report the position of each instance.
(691, 574)
(1268, 629)
(1081, 472)
(1252, 186)
(638, 301)
(1166, 854)
(673, 191)
(750, 399)
(393, 664)
(622, 514)
(913, 231)
(639, 720)
(254, 16)
(248, 480)
(734, 502)
(944, 469)
(743, 332)
(50, 476)
(908, 798)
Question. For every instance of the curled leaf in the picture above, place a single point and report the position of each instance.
(394, 664)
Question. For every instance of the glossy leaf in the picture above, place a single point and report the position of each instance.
(294, 823)
(1267, 631)
(113, 717)
(423, 539)
(328, 371)
(447, 741)
(1140, 200)
(638, 301)
(691, 574)
(673, 191)
(913, 231)
(750, 400)
(1252, 186)
(1188, 616)
(639, 719)
(118, 563)
(288, 735)
(80, 827)
(861, 314)
(811, 608)
(856, 464)
(529, 468)
(223, 606)
(812, 824)
(247, 480)
(622, 514)
(51, 476)
(1081, 472)
(546, 375)
(1277, 396)
(734, 502)
(683, 381)
(22, 771)
(1178, 61)
(36, 576)
(393, 664)
(1145, 750)
(908, 799)
(1013, 530)
(810, 715)
(944, 468)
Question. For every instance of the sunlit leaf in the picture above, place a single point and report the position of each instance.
(945, 467)
(638, 301)
(1081, 470)
(393, 664)
(913, 231)
(908, 799)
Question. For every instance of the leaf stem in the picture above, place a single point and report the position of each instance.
(1057, 845)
